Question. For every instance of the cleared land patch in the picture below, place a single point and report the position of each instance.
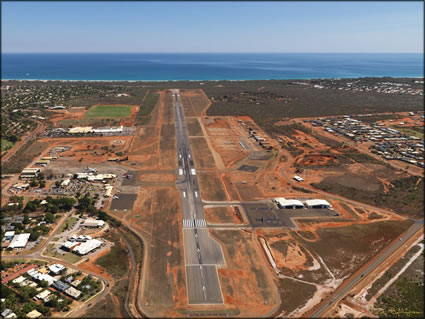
(211, 187)
(165, 283)
(202, 153)
(353, 245)
(193, 127)
(244, 280)
(223, 215)
(23, 157)
(405, 196)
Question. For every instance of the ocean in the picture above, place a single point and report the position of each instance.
(203, 67)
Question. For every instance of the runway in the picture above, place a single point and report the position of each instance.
(202, 253)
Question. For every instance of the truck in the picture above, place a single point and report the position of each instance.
(192, 171)
(180, 171)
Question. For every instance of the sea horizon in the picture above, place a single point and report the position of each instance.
(171, 67)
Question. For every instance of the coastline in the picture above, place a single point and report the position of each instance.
(222, 80)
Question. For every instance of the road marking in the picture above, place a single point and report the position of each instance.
(200, 223)
(188, 223)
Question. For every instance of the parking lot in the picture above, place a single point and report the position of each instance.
(264, 215)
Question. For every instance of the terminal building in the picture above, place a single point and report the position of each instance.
(99, 130)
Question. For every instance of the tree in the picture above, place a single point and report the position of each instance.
(31, 206)
(102, 215)
(49, 218)
(42, 184)
(58, 183)
(33, 183)
(44, 284)
(12, 138)
(26, 220)
(34, 235)
(53, 209)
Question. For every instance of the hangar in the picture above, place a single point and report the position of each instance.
(29, 172)
(318, 203)
(289, 203)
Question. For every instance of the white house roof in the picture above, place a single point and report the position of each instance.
(18, 280)
(9, 233)
(66, 182)
(33, 314)
(314, 202)
(71, 291)
(56, 268)
(43, 294)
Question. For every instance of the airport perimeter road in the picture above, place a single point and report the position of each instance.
(202, 253)
(346, 287)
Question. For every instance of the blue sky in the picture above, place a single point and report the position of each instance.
(212, 27)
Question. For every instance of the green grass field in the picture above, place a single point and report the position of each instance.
(5, 144)
(417, 131)
(67, 224)
(108, 111)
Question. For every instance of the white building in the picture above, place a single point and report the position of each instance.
(108, 190)
(289, 203)
(30, 172)
(72, 292)
(87, 247)
(93, 223)
(298, 179)
(38, 276)
(317, 203)
(19, 241)
(18, 280)
(9, 234)
(118, 129)
(69, 245)
(78, 129)
(66, 182)
(42, 295)
(56, 269)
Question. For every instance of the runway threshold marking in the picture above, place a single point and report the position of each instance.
(194, 223)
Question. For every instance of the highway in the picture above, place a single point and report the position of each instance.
(202, 253)
(346, 287)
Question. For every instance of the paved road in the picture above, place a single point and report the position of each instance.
(348, 285)
(202, 253)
